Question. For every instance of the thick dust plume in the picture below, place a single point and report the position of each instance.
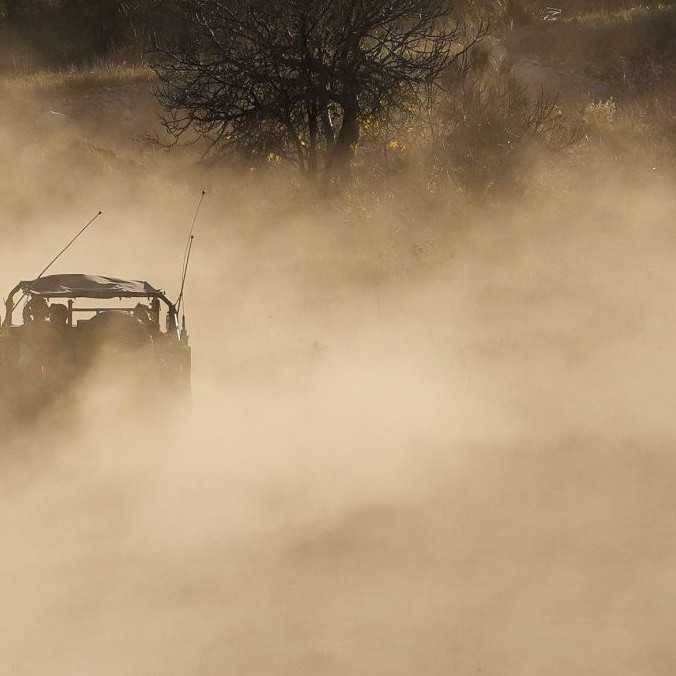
(440, 448)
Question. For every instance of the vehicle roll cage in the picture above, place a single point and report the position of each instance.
(23, 287)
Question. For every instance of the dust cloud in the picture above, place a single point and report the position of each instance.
(437, 449)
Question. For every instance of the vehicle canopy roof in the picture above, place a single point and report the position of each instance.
(88, 286)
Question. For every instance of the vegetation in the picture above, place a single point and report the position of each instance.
(66, 33)
(298, 79)
(420, 98)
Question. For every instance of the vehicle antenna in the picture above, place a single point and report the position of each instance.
(65, 248)
(70, 244)
(185, 272)
(188, 251)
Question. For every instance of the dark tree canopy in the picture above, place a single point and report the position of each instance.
(296, 78)
(67, 32)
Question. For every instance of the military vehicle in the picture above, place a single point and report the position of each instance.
(57, 328)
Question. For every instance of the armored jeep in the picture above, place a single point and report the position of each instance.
(56, 328)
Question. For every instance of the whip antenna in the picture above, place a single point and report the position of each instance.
(185, 271)
(63, 251)
(70, 244)
(188, 251)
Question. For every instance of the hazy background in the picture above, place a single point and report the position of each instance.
(431, 437)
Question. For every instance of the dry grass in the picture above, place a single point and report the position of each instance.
(104, 74)
(624, 15)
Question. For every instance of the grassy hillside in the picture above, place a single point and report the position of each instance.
(108, 100)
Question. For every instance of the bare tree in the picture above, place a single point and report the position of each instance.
(295, 79)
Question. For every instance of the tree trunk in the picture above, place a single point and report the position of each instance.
(313, 132)
(339, 165)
